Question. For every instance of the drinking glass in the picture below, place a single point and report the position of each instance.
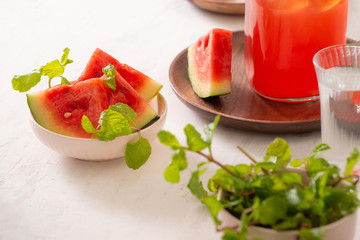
(281, 38)
(338, 73)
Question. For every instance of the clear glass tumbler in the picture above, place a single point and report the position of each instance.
(338, 73)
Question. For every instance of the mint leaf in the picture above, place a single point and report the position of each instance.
(104, 135)
(110, 72)
(196, 186)
(291, 178)
(64, 59)
(193, 139)
(231, 234)
(179, 158)
(126, 111)
(112, 124)
(87, 125)
(315, 165)
(210, 129)
(178, 163)
(265, 165)
(172, 173)
(52, 69)
(296, 163)
(351, 161)
(137, 153)
(242, 169)
(272, 209)
(168, 139)
(315, 234)
(278, 152)
(320, 148)
(64, 81)
(24, 83)
(110, 83)
(115, 122)
(292, 222)
(214, 207)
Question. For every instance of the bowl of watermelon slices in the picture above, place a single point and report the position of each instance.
(93, 149)
(112, 110)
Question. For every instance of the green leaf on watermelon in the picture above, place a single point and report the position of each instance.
(87, 125)
(24, 83)
(64, 59)
(126, 111)
(137, 153)
(52, 69)
(113, 124)
(110, 72)
(64, 81)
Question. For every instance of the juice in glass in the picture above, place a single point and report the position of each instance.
(281, 38)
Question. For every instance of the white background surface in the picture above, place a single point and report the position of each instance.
(44, 195)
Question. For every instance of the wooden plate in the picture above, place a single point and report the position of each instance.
(221, 6)
(243, 108)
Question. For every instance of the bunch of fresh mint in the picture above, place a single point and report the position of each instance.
(263, 193)
(117, 120)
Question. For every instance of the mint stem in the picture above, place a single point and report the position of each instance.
(246, 154)
(353, 176)
(50, 82)
(211, 159)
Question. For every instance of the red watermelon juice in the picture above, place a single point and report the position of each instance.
(281, 38)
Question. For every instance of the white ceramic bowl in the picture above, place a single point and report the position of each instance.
(93, 149)
(343, 229)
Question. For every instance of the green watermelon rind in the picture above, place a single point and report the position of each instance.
(148, 95)
(37, 109)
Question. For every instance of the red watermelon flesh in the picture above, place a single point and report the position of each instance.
(209, 63)
(60, 109)
(144, 85)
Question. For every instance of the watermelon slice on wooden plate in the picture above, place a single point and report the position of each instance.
(60, 109)
(209, 61)
(144, 85)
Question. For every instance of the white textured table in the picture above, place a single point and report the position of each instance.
(44, 195)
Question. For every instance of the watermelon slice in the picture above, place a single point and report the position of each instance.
(144, 85)
(209, 62)
(60, 109)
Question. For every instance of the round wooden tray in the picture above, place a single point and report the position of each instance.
(243, 108)
(221, 6)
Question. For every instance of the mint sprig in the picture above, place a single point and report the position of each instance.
(53, 69)
(110, 73)
(264, 192)
(116, 121)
